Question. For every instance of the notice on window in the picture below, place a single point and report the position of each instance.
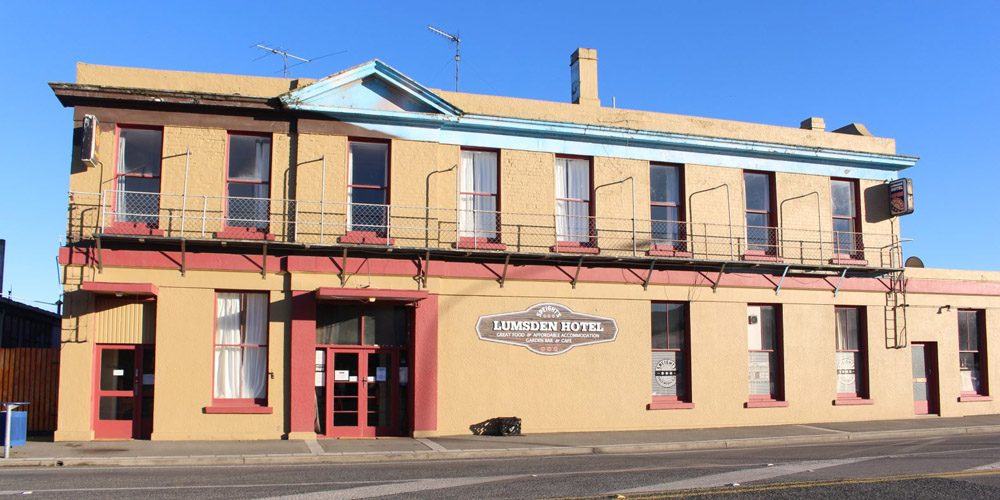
(404, 376)
(147, 379)
(341, 375)
(380, 374)
(353, 378)
(118, 373)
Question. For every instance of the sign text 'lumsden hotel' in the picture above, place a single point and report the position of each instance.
(547, 328)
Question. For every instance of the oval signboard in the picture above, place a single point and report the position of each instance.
(547, 328)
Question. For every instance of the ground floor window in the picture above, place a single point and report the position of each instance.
(852, 363)
(972, 352)
(241, 347)
(671, 359)
(764, 353)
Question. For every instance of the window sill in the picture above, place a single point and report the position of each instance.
(667, 251)
(669, 405)
(761, 257)
(575, 247)
(765, 404)
(848, 261)
(133, 229)
(852, 402)
(479, 244)
(969, 398)
(238, 410)
(365, 238)
(243, 233)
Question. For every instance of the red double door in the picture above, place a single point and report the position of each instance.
(362, 391)
(123, 392)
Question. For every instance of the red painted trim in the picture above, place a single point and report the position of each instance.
(670, 405)
(132, 228)
(852, 402)
(425, 365)
(365, 238)
(250, 410)
(302, 363)
(479, 244)
(971, 398)
(667, 251)
(122, 288)
(332, 293)
(848, 262)
(574, 247)
(765, 404)
(536, 272)
(243, 233)
(754, 256)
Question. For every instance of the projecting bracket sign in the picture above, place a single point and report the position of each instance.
(547, 328)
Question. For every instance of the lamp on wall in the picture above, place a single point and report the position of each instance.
(944, 308)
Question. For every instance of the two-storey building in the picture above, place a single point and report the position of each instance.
(254, 258)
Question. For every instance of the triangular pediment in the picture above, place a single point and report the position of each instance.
(370, 88)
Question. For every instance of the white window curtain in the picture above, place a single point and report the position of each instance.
(478, 212)
(241, 353)
(573, 200)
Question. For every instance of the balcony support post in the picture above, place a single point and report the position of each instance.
(263, 261)
(100, 262)
(503, 276)
(837, 288)
(183, 256)
(777, 289)
(718, 280)
(343, 269)
(422, 277)
(184, 199)
(649, 275)
(576, 277)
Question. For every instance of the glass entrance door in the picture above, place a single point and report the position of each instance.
(359, 392)
(123, 403)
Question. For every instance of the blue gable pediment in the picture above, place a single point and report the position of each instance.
(372, 88)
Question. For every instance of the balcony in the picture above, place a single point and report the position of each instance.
(311, 224)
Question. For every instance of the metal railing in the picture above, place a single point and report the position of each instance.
(422, 227)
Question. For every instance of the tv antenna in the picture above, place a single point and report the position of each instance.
(457, 41)
(285, 55)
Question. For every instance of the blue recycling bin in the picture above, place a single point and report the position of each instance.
(18, 428)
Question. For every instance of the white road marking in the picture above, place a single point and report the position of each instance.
(745, 475)
(396, 488)
(432, 445)
(185, 487)
(987, 467)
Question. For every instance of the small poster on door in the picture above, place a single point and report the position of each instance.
(118, 373)
(380, 373)
(340, 375)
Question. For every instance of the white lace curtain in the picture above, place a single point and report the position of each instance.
(478, 211)
(241, 346)
(572, 200)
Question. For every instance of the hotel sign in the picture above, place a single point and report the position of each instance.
(547, 328)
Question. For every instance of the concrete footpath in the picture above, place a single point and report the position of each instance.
(145, 453)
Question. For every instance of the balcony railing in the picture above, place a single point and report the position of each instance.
(317, 223)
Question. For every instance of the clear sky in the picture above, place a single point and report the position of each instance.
(924, 73)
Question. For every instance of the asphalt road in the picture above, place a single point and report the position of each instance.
(949, 467)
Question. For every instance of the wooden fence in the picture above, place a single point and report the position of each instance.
(32, 375)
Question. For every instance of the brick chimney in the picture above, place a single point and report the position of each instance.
(583, 72)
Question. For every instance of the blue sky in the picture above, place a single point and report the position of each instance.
(924, 73)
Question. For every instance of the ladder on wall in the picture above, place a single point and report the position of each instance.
(895, 311)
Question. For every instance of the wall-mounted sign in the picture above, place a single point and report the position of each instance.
(900, 197)
(88, 142)
(547, 328)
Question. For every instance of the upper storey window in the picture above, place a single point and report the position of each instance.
(574, 206)
(248, 181)
(761, 233)
(479, 218)
(666, 210)
(847, 237)
(368, 188)
(138, 178)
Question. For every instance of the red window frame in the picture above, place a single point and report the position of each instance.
(777, 396)
(683, 400)
(364, 236)
(241, 402)
(466, 242)
(680, 245)
(771, 249)
(978, 317)
(858, 250)
(118, 175)
(861, 368)
(591, 225)
(270, 171)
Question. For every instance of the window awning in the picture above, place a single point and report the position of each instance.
(370, 294)
(120, 289)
